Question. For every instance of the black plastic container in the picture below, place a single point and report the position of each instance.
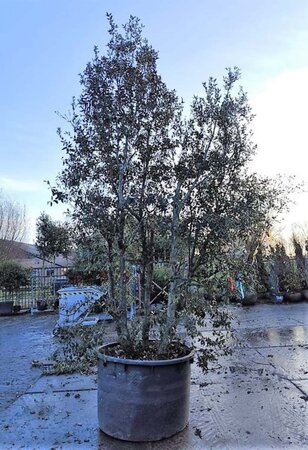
(6, 307)
(143, 400)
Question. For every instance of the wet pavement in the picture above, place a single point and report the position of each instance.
(23, 338)
(254, 399)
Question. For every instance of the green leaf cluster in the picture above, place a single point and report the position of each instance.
(13, 276)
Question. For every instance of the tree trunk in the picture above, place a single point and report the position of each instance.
(122, 291)
(111, 281)
(148, 287)
(171, 308)
(54, 277)
(122, 329)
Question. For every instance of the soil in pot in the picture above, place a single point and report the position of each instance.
(143, 400)
(150, 352)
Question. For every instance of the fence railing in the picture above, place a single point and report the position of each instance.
(43, 285)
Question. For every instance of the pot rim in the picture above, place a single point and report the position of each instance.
(142, 362)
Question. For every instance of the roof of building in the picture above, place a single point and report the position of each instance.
(25, 253)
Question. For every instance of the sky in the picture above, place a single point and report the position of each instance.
(45, 44)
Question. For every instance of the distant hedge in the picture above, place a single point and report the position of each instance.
(13, 275)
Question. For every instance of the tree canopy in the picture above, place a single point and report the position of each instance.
(52, 237)
(136, 169)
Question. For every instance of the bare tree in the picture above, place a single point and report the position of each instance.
(300, 232)
(12, 226)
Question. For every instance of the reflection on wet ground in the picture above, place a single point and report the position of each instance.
(22, 339)
(255, 398)
(276, 337)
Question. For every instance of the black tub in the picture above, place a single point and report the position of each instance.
(143, 400)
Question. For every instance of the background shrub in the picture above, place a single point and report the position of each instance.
(13, 276)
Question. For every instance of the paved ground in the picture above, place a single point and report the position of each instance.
(256, 399)
(23, 338)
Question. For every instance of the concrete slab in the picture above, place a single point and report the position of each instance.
(60, 383)
(268, 315)
(244, 364)
(248, 415)
(220, 418)
(23, 339)
(291, 362)
(303, 386)
(64, 421)
(247, 402)
(58, 420)
(275, 337)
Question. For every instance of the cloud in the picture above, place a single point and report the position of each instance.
(280, 126)
(18, 185)
(280, 130)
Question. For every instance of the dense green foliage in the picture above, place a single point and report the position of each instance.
(77, 348)
(139, 173)
(13, 276)
(52, 238)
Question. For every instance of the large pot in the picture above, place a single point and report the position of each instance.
(293, 297)
(250, 299)
(143, 400)
(6, 307)
(305, 294)
(41, 305)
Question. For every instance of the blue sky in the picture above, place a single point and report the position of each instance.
(45, 44)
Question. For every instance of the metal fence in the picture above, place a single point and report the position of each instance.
(43, 285)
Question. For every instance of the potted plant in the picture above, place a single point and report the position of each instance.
(12, 277)
(268, 270)
(244, 279)
(290, 285)
(138, 173)
(283, 278)
(301, 268)
(16, 308)
(249, 278)
(41, 305)
(6, 307)
(305, 292)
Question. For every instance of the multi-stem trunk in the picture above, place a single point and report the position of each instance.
(174, 266)
(54, 276)
(122, 289)
(122, 327)
(111, 283)
(148, 278)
